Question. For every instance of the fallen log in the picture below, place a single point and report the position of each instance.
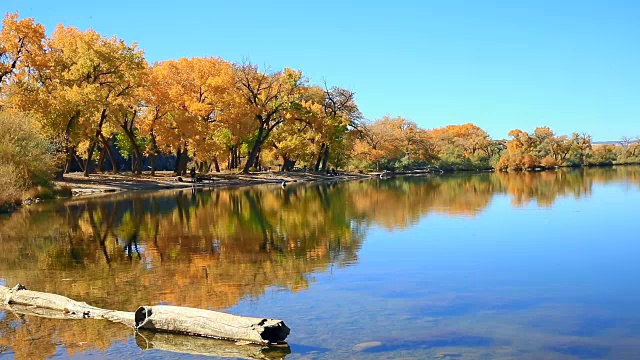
(172, 319)
(184, 320)
(19, 295)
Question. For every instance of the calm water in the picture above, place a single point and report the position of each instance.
(482, 266)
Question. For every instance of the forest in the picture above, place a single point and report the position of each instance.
(78, 100)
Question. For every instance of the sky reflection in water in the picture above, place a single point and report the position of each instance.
(478, 266)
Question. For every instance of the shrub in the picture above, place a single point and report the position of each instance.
(549, 162)
(26, 158)
(11, 188)
(602, 155)
(529, 162)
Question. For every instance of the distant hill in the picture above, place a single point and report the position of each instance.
(605, 142)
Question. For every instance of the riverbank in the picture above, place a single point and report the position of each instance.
(110, 183)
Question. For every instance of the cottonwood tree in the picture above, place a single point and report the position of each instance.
(88, 78)
(21, 48)
(270, 97)
(190, 102)
(335, 113)
(387, 139)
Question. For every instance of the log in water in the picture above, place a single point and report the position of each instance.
(172, 319)
(184, 320)
(19, 295)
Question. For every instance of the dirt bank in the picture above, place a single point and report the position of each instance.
(106, 183)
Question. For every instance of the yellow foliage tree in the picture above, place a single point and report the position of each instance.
(21, 48)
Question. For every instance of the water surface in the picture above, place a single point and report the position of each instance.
(469, 266)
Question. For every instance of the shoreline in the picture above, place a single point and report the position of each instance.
(75, 185)
(105, 183)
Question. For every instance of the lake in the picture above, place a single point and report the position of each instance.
(466, 266)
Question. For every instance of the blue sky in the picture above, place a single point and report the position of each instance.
(571, 65)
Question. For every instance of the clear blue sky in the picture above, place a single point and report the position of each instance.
(573, 65)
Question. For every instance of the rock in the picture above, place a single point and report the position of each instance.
(366, 345)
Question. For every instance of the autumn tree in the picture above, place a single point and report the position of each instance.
(390, 139)
(270, 97)
(457, 144)
(630, 148)
(21, 48)
(602, 155)
(545, 149)
(87, 78)
(290, 142)
(190, 105)
(335, 112)
(580, 149)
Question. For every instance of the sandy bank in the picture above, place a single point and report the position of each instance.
(107, 183)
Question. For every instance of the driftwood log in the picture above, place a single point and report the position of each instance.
(184, 320)
(172, 319)
(19, 295)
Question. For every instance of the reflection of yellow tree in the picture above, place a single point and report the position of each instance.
(629, 174)
(401, 202)
(37, 338)
(545, 187)
(213, 248)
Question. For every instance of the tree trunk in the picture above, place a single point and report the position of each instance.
(107, 146)
(183, 162)
(70, 153)
(215, 164)
(136, 150)
(92, 145)
(101, 159)
(254, 150)
(176, 172)
(325, 158)
(319, 159)
(79, 162)
(231, 164)
(285, 161)
(136, 165)
(153, 164)
(236, 157)
(70, 150)
(154, 153)
(87, 162)
(257, 164)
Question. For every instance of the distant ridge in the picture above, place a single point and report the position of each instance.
(605, 142)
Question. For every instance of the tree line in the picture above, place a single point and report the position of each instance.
(91, 94)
